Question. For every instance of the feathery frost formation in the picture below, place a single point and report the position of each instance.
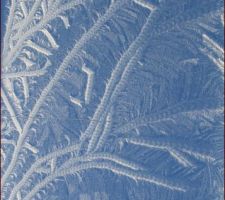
(99, 95)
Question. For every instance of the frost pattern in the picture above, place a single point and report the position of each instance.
(117, 99)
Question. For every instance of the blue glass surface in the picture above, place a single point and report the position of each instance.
(112, 100)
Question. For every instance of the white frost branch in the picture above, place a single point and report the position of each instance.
(11, 111)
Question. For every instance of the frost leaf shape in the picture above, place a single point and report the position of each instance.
(133, 97)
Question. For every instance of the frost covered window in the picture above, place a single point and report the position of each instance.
(112, 100)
